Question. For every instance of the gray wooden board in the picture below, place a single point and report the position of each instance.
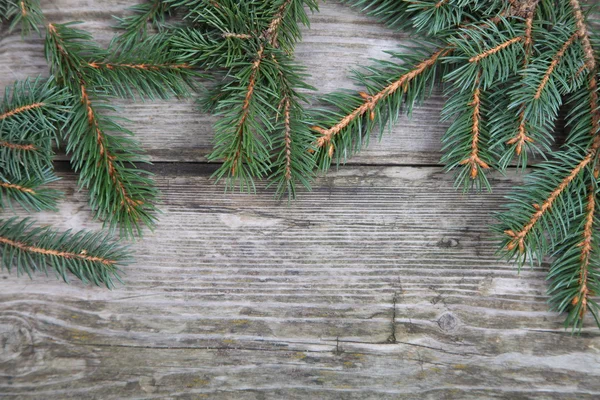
(380, 283)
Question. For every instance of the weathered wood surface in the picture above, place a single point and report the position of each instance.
(380, 283)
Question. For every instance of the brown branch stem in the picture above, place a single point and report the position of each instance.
(585, 247)
(371, 101)
(14, 146)
(474, 160)
(54, 253)
(23, 189)
(20, 110)
(148, 67)
(496, 49)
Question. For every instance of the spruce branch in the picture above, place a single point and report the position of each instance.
(31, 115)
(293, 146)
(261, 132)
(521, 139)
(466, 141)
(134, 28)
(120, 194)
(24, 13)
(358, 113)
(91, 257)
(28, 192)
(574, 275)
(555, 60)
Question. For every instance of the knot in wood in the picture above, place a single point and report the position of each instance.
(16, 342)
(447, 322)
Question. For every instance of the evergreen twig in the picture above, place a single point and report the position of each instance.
(91, 257)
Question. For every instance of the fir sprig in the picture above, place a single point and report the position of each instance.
(31, 116)
(391, 88)
(120, 194)
(29, 193)
(26, 14)
(262, 131)
(134, 28)
(91, 257)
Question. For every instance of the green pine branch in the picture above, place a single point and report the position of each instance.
(344, 128)
(29, 193)
(509, 68)
(575, 273)
(103, 155)
(24, 13)
(90, 257)
(293, 140)
(134, 28)
(466, 142)
(262, 131)
(31, 116)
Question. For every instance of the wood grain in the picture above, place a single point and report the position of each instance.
(381, 283)
(367, 287)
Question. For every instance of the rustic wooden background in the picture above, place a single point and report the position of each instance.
(381, 283)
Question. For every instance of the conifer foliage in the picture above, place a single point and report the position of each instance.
(509, 68)
(248, 46)
(73, 107)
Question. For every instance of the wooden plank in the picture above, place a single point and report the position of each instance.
(382, 283)
(369, 287)
(340, 39)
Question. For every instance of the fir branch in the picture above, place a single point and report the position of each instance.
(294, 162)
(91, 257)
(574, 275)
(24, 13)
(247, 139)
(513, 66)
(367, 107)
(237, 156)
(28, 192)
(555, 60)
(537, 97)
(586, 249)
(466, 142)
(31, 115)
(521, 139)
(370, 102)
(119, 194)
(518, 238)
(135, 27)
